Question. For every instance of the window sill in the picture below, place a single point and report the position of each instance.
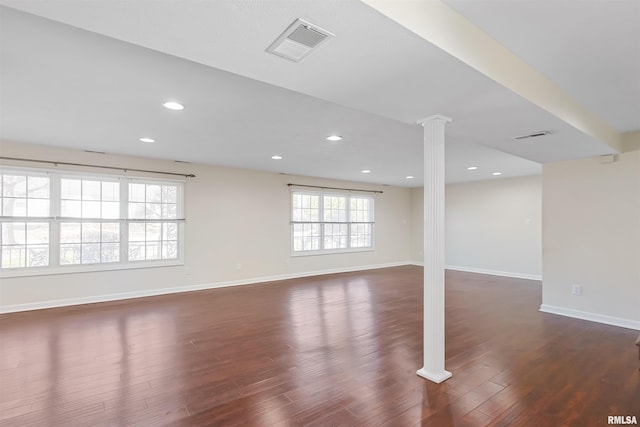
(331, 252)
(45, 271)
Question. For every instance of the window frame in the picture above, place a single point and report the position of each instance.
(55, 219)
(321, 222)
(26, 219)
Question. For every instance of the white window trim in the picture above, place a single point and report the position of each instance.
(320, 193)
(54, 267)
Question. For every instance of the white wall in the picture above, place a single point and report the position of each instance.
(591, 237)
(492, 226)
(237, 231)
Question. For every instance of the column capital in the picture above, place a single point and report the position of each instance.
(434, 118)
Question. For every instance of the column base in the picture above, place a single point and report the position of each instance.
(436, 377)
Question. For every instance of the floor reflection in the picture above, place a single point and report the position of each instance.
(88, 362)
(332, 327)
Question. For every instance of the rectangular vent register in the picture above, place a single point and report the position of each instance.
(299, 40)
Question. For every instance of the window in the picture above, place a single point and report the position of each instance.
(84, 206)
(25, 204)
(331, 222)
(62, 222)
(156, 236)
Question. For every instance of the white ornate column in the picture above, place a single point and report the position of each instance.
(433, 368)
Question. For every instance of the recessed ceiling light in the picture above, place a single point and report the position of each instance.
(171, 105)
(149, 140)
(472, 168)
(276, 157)
(334, 138)
(497, 173)
(365, 171)
(409, 176)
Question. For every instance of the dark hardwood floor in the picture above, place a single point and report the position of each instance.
(331, 350)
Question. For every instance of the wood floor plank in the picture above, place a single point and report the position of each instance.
(339, 349)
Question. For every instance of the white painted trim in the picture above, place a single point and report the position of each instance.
(165, 291)
(494, 272)
(435, 377)
(418, 263)
(592, 317)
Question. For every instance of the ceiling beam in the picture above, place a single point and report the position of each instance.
(445, 28)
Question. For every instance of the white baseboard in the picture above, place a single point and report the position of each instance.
(165, 291)
(494, 272)
(592, 317)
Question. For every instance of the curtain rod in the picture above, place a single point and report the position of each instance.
(334, 188)
(52, 162)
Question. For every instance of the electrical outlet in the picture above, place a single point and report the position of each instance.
(576, 290)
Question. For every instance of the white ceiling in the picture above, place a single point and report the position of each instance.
(84, 90)
(589, 48)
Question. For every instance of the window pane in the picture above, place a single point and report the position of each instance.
(14, 233)
(306, 207)
(153, 210)
(297, 237)
(14, 185)
(154, 193)
(90, 233)
(110, 252)
(14, 207)
(311, 237)
(306, 237)
(335, 236)
(136, 251)
(110, 232)
(90, 253)
(69, 254)
(71, 189)
(71, 208)
(37, 233)
(70, 232)
(169, 211)
(361, 235)
(170, 250)
(153, 250)
(110, 191)
(25, 244)
(335, 209)
(38, 187)
(38, 207)
(153, 231)
(110, 210)
(90, 209)
(361, 209)
(13, 256)
(99, 243)
(136, 210)
(136, 233)
(136, 193)
(169, 231)
(169, 193)
(37, 256)
(91, 190)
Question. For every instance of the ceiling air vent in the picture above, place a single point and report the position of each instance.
(298, 40)
(532, 135)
